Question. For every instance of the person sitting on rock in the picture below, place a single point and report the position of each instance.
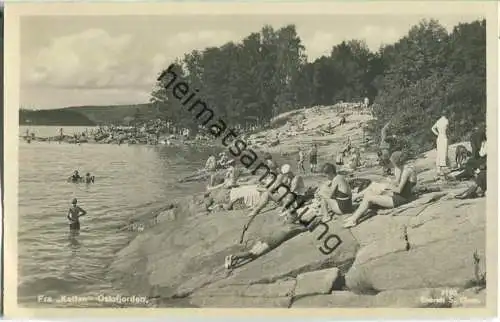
(384, 150)
(406, 179)
(336, 195)
(211, 163)
(223, 159)
(480, 180)
(287, 178)
(271, 164)
(230, 178)
(355, 159)
(342, 121)
(264, 245)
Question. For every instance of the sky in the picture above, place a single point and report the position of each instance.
(111, 60)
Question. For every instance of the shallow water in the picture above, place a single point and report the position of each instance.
(129, 180)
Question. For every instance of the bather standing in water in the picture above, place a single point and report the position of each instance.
(89, 178)
(75, 178)
(74, 214)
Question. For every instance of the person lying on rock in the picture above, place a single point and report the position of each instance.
(265, 245)
(336, 195)
(402, 193)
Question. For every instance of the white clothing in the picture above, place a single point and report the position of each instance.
(484, 150)
(441, 127)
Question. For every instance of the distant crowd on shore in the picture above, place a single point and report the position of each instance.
(151, 132)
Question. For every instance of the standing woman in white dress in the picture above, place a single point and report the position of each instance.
(440, 129)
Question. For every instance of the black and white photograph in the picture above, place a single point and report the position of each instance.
(285, 157)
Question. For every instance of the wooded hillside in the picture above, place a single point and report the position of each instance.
(427, 72)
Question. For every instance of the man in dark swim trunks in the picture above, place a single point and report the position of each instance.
(338, 197)
(74, 213)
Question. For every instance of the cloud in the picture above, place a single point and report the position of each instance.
(87, 59)
(376, 36)
(185, 42)
(96, 59)
(321, 43)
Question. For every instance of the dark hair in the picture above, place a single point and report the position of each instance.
(268, 156)
(329, 168)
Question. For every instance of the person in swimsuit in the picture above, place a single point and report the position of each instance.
(338, 198)
(385, 148)
(313, 158)
(265, 245)
(268, 160)
(89, 178)
(230, 178)
(300, 162)
(297, 186)
(287, 178)
(480, 181)
(211, 168)
(406, 179)
(476, 139)
(75, 177)
(74, 214)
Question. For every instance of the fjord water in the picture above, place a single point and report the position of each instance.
(129, 180)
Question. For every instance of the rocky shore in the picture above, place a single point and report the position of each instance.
(429, 253)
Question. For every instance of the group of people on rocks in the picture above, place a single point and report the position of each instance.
(335, 196)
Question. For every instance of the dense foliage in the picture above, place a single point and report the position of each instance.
(427, 72)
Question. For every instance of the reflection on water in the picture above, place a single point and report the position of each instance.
(129, 180)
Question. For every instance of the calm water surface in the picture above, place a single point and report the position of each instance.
(129, 180)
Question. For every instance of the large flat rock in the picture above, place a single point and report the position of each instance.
(180, 258)
(317, 282)
(442, 242)
(282, 288)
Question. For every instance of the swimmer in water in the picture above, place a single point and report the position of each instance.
(74, 214)
(89, 178)
(75, 177)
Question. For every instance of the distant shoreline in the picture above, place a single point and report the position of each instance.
(86, 115)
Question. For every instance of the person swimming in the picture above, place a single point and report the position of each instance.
(74, 214)
(89, 178)
(75, 178)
